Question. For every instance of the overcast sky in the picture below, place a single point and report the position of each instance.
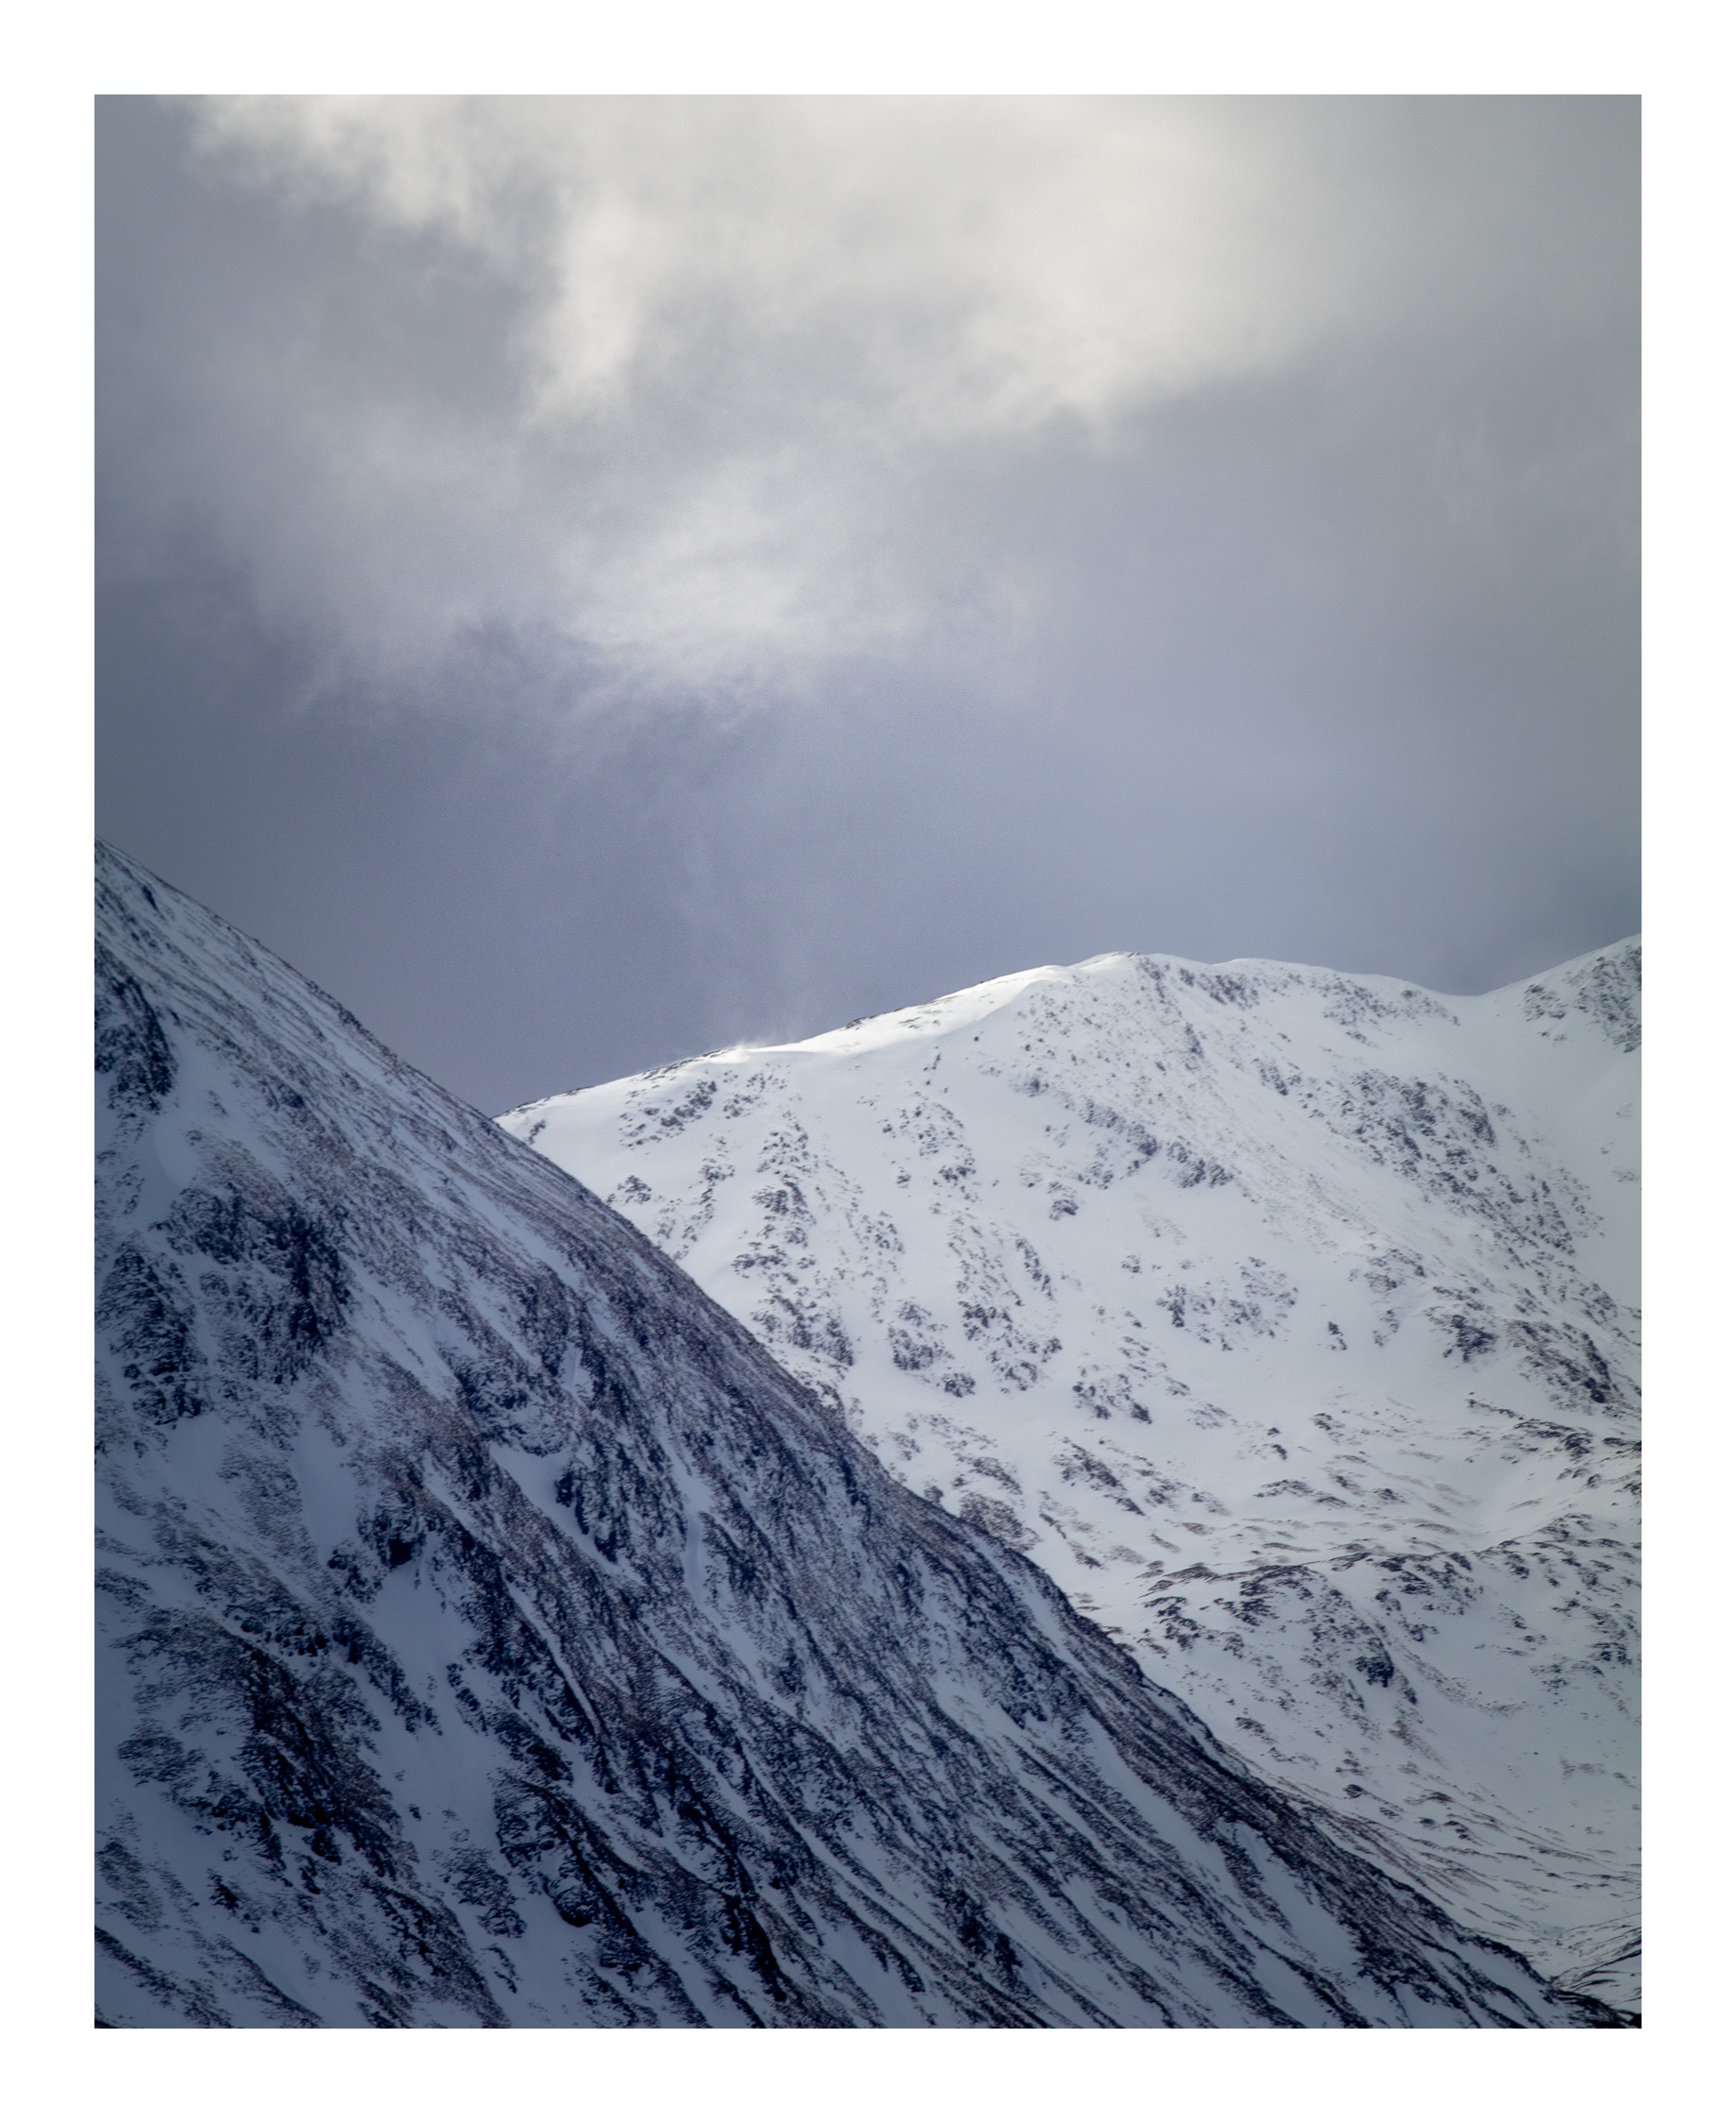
(590, 581)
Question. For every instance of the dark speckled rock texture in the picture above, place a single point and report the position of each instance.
(492, 1634)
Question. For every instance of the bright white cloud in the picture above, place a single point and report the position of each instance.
(752, 335)
(963, 266)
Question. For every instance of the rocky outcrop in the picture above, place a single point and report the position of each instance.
(492, 1634)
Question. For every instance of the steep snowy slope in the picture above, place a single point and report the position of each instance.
(1286, 1319)
(493, 1634)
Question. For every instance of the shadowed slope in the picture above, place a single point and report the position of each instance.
(492, 1634)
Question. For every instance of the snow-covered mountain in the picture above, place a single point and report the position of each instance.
(492, 1633)
(1286, 1319)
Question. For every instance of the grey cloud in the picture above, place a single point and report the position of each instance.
(885, 605)
(745, 347)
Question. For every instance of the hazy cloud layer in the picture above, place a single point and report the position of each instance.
(769, 558)
(742, 344)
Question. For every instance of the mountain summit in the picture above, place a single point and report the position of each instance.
(493, 1634)
(1285, 1318)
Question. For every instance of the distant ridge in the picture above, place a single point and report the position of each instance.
(1287, 1319)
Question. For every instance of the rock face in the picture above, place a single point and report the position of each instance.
(1286, 1319)
(493, 1634)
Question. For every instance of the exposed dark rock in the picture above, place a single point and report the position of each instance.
(494, 1635)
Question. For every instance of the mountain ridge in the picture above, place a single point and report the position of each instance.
(493, 1635)
(1081, 1250)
